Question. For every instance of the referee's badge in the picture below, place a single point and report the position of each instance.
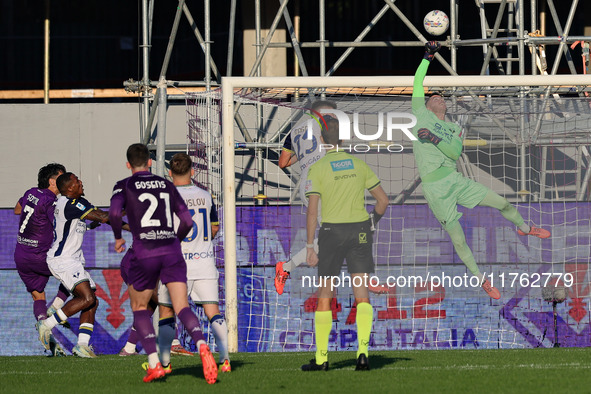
(362, 238)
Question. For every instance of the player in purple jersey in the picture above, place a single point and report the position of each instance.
(130, 348)
(66, 261)
(150, 202)
(35, 235)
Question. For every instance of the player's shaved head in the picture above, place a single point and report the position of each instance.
(47, 172)
(181, 164)
(63, 182)
(138, 155)
(330, 134)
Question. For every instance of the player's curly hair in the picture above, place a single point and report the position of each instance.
(138, 155)
(181, 164)
(47, 172)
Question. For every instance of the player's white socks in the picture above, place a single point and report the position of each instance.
(166, 334)
(199, 343)
(85, 333)
(299, 258)
(289, 265)
(53, 321)
(131, 347)
(155, 320)
(220, 333)
(153, 360)
(57, 303)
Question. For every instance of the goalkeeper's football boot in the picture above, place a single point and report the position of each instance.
(44, 334)
(225, 366)
(51, 311)
(492, 291)
(362, 363)
(179, 350)
(83, 351)
(281, 276)
(536, 232)
(312, 366)
(154, 373)
(210, 368)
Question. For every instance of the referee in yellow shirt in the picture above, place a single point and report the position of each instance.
(340, 180)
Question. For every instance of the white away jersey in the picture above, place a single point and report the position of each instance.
(69, 227)
(306, 150)
(198, 246)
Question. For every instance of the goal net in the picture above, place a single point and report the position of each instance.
(527, 141)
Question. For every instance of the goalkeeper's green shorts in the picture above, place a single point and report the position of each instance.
(445, 194)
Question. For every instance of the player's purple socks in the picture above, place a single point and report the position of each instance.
(145, 330)
(62, 293)
(40, 309)
(133, 337)
(191, 323)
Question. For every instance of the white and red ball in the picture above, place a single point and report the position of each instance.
(436, 22)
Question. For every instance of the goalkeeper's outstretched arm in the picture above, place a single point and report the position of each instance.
(449, 145)
(418, 90)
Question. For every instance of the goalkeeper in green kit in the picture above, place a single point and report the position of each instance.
(438, 147)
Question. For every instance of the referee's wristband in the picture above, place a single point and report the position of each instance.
(310, 246)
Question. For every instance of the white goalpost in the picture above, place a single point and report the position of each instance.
(515, 128)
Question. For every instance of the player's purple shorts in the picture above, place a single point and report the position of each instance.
(143, 273)
(125, 263)
(33, 271)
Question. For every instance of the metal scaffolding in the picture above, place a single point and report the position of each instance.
(505, 43)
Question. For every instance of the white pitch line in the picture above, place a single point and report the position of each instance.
(467, 367)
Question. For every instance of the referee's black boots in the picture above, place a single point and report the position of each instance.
(315, 367)
(362, 363)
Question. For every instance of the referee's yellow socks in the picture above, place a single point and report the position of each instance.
(364, 320)
(322, 327)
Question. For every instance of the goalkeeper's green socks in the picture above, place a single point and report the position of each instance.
(508, 211)
(364, 320)
(462, 249)
(322, 327)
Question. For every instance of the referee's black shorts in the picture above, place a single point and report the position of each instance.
(340, 241)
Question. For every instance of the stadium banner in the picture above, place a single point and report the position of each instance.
(421, 292)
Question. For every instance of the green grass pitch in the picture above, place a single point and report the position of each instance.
(422, 371)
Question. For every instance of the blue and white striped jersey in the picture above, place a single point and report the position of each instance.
(69, 227)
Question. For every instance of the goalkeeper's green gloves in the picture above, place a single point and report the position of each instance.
(426, 135)
(431, 48)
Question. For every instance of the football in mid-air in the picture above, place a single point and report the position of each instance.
(436, 22)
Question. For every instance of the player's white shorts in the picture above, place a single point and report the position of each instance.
(201, 291)
(70, 272)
